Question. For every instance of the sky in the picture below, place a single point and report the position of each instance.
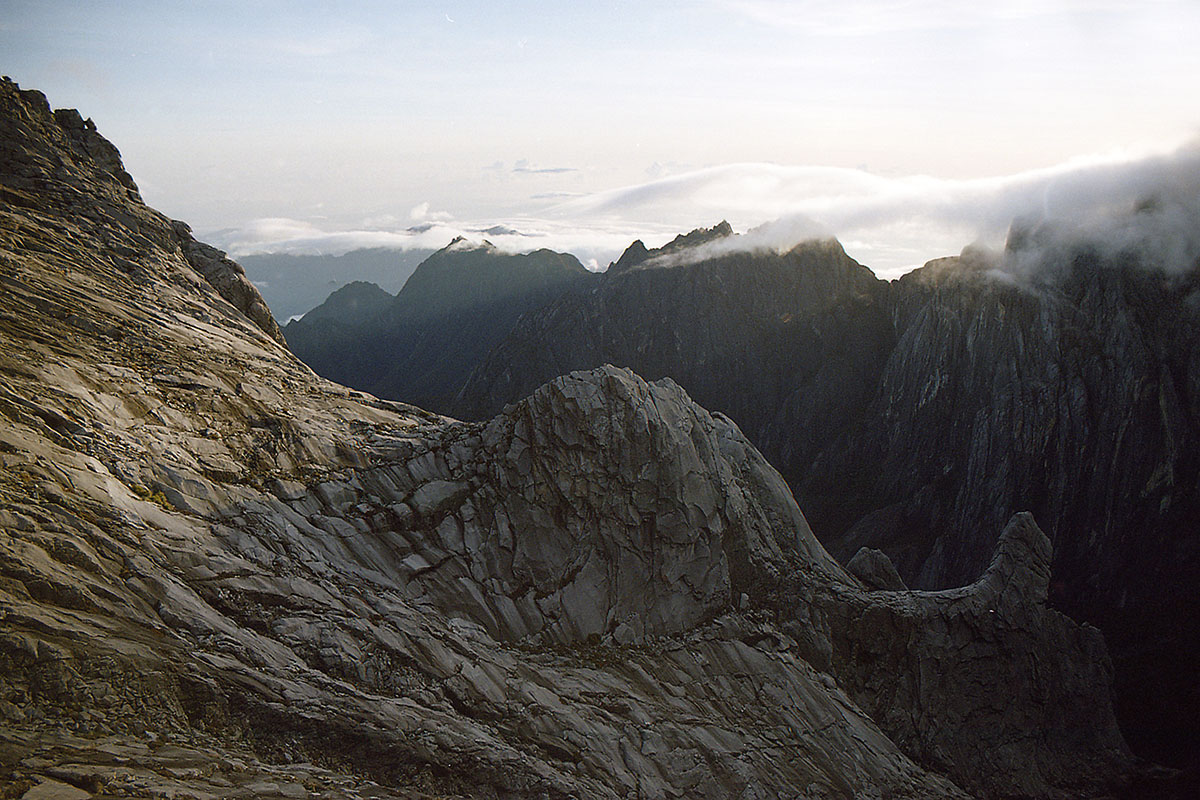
(907, 128)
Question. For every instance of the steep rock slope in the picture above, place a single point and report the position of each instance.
(917, 417)
(221, 575)
(1072, 394)
(420, 347)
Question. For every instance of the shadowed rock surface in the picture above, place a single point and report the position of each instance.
(917, 417)
(421, 345)
(875, 570)
(221, 575)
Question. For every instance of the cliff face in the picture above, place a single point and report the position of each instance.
(1073, 395)
(221, 575)
(917, 417)
(742, 332)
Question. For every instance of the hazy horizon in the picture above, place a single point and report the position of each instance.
(906, 129)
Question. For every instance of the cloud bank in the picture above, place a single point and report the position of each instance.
(896, 224)
(595, 244)
(891, 224)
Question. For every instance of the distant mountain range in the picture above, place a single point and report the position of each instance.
(292, 284)
(421, 344)
(913, 416)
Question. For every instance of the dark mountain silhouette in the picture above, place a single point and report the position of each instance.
(292, 283)
(914, 416)
(420, 345)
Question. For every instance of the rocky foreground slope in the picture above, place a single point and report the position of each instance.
(222, 576)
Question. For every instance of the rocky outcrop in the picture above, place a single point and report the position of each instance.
(221, 575)
(83, 178)
(228, 278)
(953, 652)
(875, 570)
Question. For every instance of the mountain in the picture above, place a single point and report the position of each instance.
(915, 417)
(420, 346)
(224, 576)
(294, 283)
(1072, 394)
(740, 331)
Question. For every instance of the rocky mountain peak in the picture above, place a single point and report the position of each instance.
(636, 255)
(698, 236)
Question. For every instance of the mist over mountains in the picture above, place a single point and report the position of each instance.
(293, 283)
(893, 223)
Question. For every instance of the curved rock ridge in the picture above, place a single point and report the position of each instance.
(993, 641)
(222, 576)
(599, 506)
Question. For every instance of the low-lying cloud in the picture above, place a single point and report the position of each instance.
(895, 224)
(891, 224)
(596, 245)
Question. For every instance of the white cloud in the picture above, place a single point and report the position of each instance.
(895, 224)
(595, 244)
(875, 17)
(422, 213)
(891, 224)
(283, 235)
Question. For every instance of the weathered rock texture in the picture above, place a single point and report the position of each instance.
(917, 417)
(222, 576)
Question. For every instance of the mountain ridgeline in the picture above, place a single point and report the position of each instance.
(421, 345)
(293, 283)
(915, 416)
(912, 417)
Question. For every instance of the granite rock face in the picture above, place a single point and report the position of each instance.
(875, 570)
(223, 576)
(1071, 394)
(228, 278)
(953, 652)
